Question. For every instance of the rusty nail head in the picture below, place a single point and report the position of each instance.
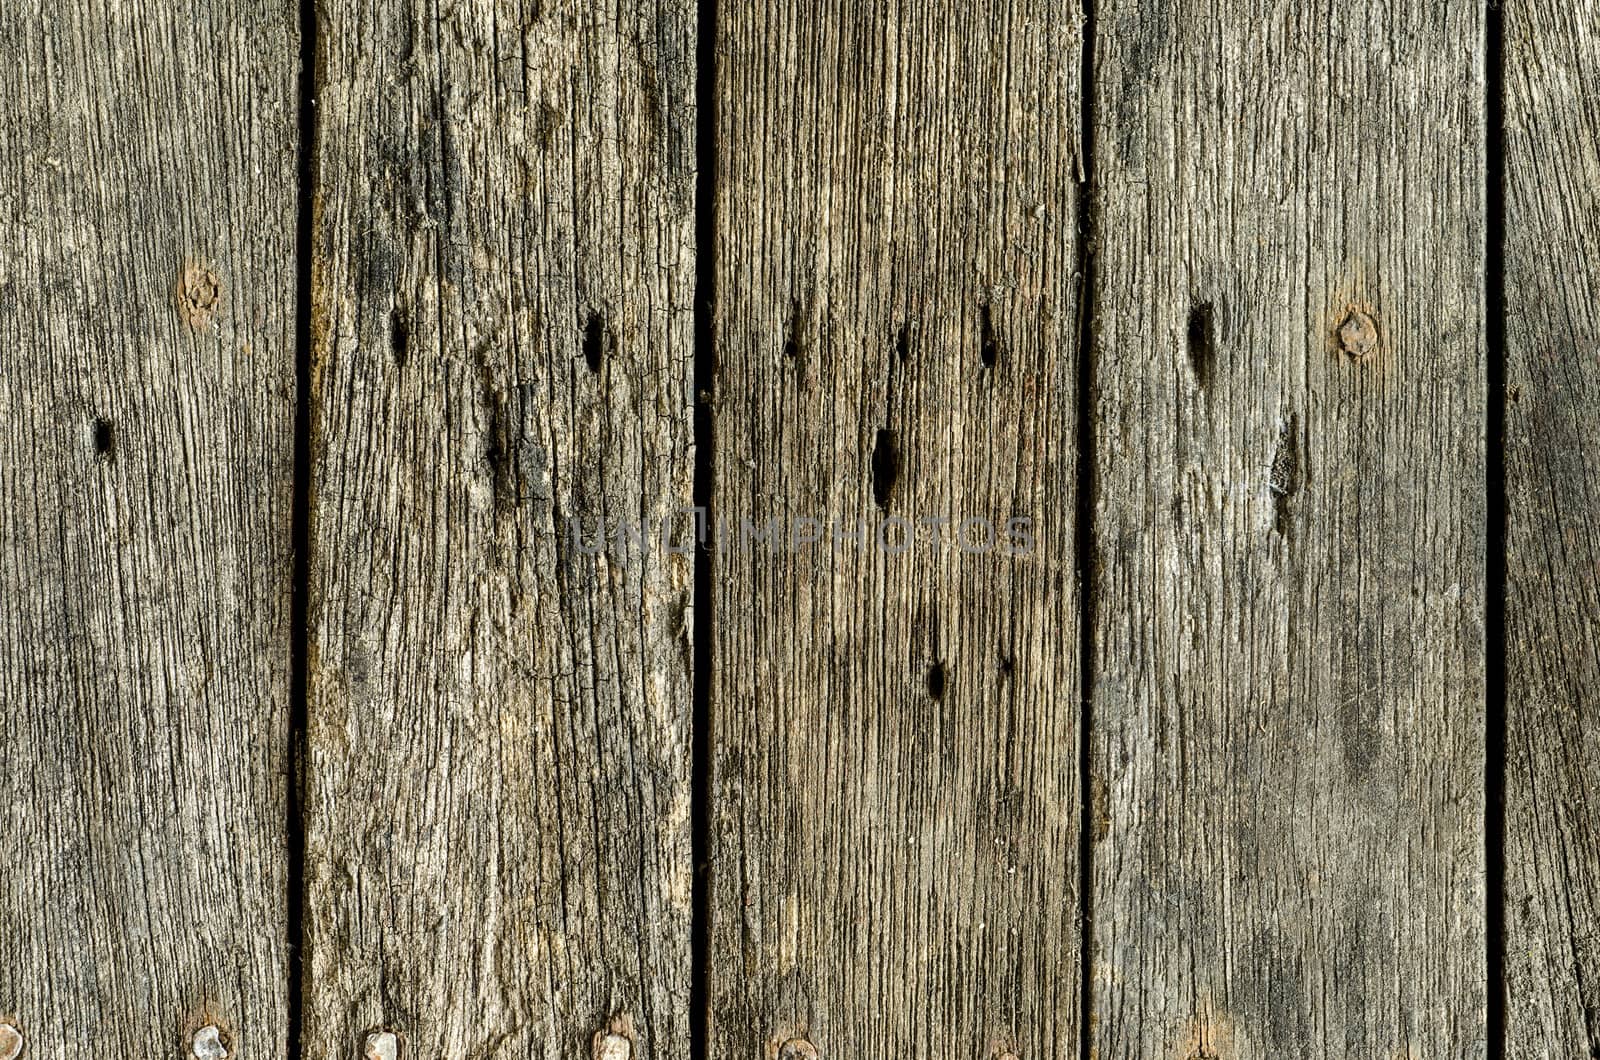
(208, 1044)
(1358, 334)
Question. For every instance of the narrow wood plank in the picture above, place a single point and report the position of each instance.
(147, 221)
(1552, 845)
(1289, 401)
(498, 773)
(895, 835)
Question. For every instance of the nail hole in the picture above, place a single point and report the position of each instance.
(105, 440)
(594, 341)
(1284, 482)
(936, 680)
(1202, 342)
(989, 349)
(885, 467)
(399, 337)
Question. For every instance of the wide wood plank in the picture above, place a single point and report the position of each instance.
(1288, 417)
(497, 787)
(1552, 443)
(895, 808)
(147, 221)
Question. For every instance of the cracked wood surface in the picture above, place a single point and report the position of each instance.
(147, 391)
(1552, 843)
(1287, 381)
(497, 780)
(1289, 394)
(894, 802)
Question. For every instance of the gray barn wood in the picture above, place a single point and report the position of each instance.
(1552, 844)
(497, 789)
(1288, 373)
(147, 218)
(895, 798)
(1285, 355)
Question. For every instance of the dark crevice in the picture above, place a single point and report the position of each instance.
(1495, 552)
(702, 785)
(988, 344)
(936, 680)
(902, 343)
(1285, 478)
(105, 438)
(399, 337)
(300, 534)
(1202, 343)
(792, 347)
(1083, 544)
(885, 467)
(595, 341)
(499, 447)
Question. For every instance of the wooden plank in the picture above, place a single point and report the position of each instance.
(895, 830)
(1552, 838)
(498, 783)
(1288, 418)
(147, 221)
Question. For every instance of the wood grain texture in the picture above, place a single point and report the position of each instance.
(145, 495)
(1552, 892)
(895, 811)
(1288, 407)
(497, 791)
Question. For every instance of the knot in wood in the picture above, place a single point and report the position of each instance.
(1358, 334)
(10, 1042)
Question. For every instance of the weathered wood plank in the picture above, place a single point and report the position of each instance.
(498, 771)
(1288, 406)
(895, 801)
(147, 220)
(1552, 843)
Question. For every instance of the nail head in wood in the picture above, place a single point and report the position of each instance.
(615, 1040)
(209, 1045)
(1358, 335)
(798, 1049)
(382, 1045)
(198, 292)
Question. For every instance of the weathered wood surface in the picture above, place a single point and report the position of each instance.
(497, 789)
(147, 205)
(894, 806)
(1288, 411)
(1287, 374)
(1552, 844)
